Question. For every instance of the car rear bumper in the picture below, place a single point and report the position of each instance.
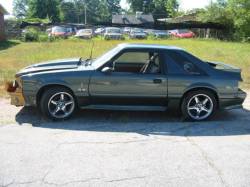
(233, 103)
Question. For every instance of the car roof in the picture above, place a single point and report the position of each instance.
(148, 46)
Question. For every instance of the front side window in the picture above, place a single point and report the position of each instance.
(138, 62)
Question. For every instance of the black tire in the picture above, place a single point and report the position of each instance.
(191, 108)
(52, 93)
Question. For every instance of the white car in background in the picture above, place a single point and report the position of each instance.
(84, 33)
(113, 33)
(99, 31)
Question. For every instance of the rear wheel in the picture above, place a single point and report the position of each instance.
(199, 105)
(57, 103)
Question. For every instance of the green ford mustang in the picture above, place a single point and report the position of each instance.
(130, 77)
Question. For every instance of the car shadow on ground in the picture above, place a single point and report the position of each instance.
(224, 123)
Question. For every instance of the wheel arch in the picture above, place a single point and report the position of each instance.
(41, 91)
(206, 88)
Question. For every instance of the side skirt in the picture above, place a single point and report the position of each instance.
(125, 107)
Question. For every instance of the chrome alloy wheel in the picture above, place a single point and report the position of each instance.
(61, 105)
(200, 106)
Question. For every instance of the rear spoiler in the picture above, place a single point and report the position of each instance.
(225, 67)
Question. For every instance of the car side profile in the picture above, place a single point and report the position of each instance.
(130, 77)
(182, 33)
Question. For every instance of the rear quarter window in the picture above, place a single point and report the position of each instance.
(184, 63)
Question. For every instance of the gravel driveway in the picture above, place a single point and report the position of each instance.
(107, 148)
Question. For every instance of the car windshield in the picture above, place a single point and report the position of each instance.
(105, 57)
(113, 30)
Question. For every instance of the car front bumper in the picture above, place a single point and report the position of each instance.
(235, 102)
(16, 94)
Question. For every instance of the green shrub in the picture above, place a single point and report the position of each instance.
(43, 37)
(30, 35)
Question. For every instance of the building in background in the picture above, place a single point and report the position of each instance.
(2, 29)
(139, 19)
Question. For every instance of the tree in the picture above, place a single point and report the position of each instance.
(240, 10)
(68, 12)
(44, 9)
(20, 8)
(172, 7)
(216, 13)
(233, 14)
(159, 10)
(155, 7)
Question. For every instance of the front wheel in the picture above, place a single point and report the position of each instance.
(199, 105)
(57, 103)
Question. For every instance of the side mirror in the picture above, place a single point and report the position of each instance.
(107, 70)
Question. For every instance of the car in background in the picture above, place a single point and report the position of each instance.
(149, 31)
(61, 31)
(160, 34)
(71, 30)
(182, 33)
(130, 77)
(84, 33)
(99, 31)
(113, 33)
(137, 33)
(49, 30)
(126, 30)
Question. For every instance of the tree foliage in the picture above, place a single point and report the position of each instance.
(172, 7)
(20, 8)
(159, 8)
(234, 14)
(67, 10)
(240, 11)
(44, 9)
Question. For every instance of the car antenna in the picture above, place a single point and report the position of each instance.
(92, 47)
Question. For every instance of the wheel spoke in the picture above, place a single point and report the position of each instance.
(64, 109)
(62, 97)
(205, 101)
(53, 102)
(196, 99)
(192, 108)
(205, 109)
(56, 110)
(68, 103)
(198, 114)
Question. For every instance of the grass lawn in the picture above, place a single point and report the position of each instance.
(15, 55)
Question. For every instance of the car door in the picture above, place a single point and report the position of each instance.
(126, 85)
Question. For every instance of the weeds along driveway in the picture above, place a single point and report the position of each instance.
(107, 148)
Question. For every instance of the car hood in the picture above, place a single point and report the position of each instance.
(62, 64)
